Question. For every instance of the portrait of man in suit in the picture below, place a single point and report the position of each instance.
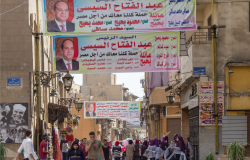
(4, 135)
(91, 109)
(67, 62)
(61, 14)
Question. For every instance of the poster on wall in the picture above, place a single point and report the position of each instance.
(117, 16)
(13, 122)
(147, 52)
(111, 109)
(206, 100)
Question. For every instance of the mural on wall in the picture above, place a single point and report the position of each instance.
(13, 122)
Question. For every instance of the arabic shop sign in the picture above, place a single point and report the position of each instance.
(121, 109)
(206, 108)
(140, 52)
(113, 16)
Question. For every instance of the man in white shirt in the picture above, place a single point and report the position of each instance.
(60, 23)
(66, 63)
(29, 153)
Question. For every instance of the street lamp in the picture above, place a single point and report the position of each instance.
(141, 118)
(170, 98)
(78, 105)
(78, 117)
(153, 110)
(67, 80)
(141, 124)
(53, 93)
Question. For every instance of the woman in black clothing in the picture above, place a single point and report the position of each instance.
(143, 149)
(75, 153)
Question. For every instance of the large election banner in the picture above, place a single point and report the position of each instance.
(111, 109)
(139, 52)
(118, 16)
(135, 124)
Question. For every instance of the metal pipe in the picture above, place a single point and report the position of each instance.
(215, 90)
(37, 67)
(214, 59)
(150, 122)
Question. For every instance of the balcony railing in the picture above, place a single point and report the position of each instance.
(200, 37)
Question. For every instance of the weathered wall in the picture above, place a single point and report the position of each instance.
(238, 82)
(207, 139)
(85, 126)
(16, 59)
(112, 92)
(158, 97)
(94, 79)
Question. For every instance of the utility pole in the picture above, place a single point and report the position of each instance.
(214, 59)
(37, 68)
(152, 133)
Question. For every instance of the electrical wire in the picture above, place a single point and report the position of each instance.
(14, 8)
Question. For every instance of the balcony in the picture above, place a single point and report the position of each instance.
(200, 37)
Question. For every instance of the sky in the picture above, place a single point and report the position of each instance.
(130, 80)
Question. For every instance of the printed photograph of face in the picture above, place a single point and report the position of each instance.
(13, 122)
(90, 109)
(60, 15)
(66, 54)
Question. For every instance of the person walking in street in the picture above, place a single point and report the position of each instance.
(187, 148)
(94, 148)
(143, 149)
(158, 152)
(64, 147)
(124, 143)
(130, 148)
(180, 147)
(83, 146)
(75, 153)
(43, 148)
(151, 150)
(27, 145)
(157, 142)
(137, 150)
(106, 150)
(117, 151)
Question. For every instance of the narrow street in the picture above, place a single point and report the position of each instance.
(124, 80)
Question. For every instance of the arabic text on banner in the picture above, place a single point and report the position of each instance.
(113, 16)
(206, 100)
(148, 52)
(135, 124)
(111, 109)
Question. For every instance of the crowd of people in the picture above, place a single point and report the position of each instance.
(94, 149)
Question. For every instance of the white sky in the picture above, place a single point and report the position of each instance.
(130, 80)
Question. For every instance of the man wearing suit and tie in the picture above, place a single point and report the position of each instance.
(91, 112)
(60, 23)
(66, 63)
(4, 136)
